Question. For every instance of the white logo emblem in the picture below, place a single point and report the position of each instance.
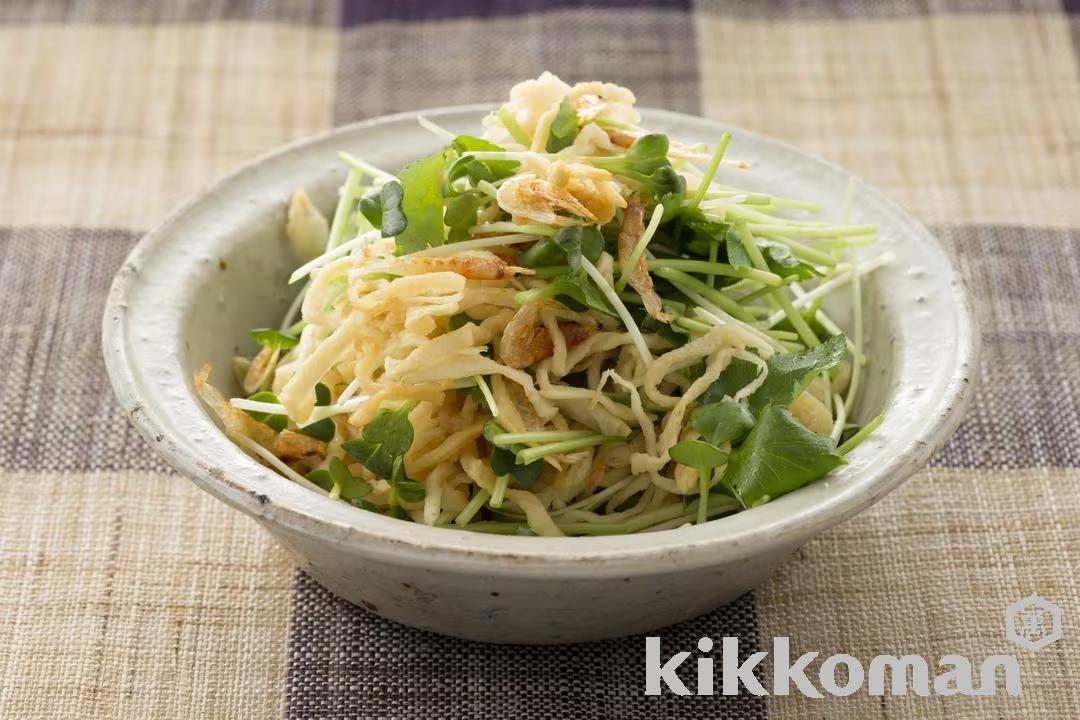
(1033, 623)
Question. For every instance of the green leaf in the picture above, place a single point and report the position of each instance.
(387, 437)
(646, 163)
(737, 375)
(458, 320)
(406, 488)
(543, 252)
(666, 181)
(721, 422)
(648, 324)
(736, 253)
(410, 491)
(364, 505)
(504, 460)
(276, 421)
(694, 234)
(268, 337)
(564, 128)
(422, 204)
(321, 478)
(352, 487)
(778, 456)
(790, 373)
(371, 207)
(697, 454)
(781, 261)
(477, 170)
(461, 214)
(673, 202)
(579, 241)
(391, 196)
(382, 208)
(474, 393)
(321, 429)
(580, 294)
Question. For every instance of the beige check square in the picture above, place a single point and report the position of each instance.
(111, 125)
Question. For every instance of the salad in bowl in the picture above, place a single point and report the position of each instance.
(565, 324)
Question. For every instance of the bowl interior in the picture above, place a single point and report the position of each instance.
(219, 267)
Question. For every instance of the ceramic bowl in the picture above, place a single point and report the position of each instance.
(191, 289)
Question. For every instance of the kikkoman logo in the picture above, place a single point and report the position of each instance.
(1031, 623)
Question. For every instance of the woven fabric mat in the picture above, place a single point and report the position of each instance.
(127, 593)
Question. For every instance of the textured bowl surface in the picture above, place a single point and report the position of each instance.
(217, 267)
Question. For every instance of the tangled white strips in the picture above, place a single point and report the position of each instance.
(349, 391)
(340, 251)
(257, 406)
(325, 411)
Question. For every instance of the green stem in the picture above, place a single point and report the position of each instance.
(807, 253)
(681, 280)
(746, 239)
(751, 198)
(501, 483)
(783, 334)
(796, 319)
(506, 117)
(695, 326)
(710, 172)
(714, 248)
(826, 231)
(716, 505)
(592, 501)
(855, 440)
(717, 268)
(475, 503)
(527, 296)
(540, 436)
(344, 209)
(608, 122)
(531, 455)
(765, 291)
(546, 272)
(365, 168)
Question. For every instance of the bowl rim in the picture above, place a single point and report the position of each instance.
(363, 532)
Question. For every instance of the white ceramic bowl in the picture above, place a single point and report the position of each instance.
(191, 289)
